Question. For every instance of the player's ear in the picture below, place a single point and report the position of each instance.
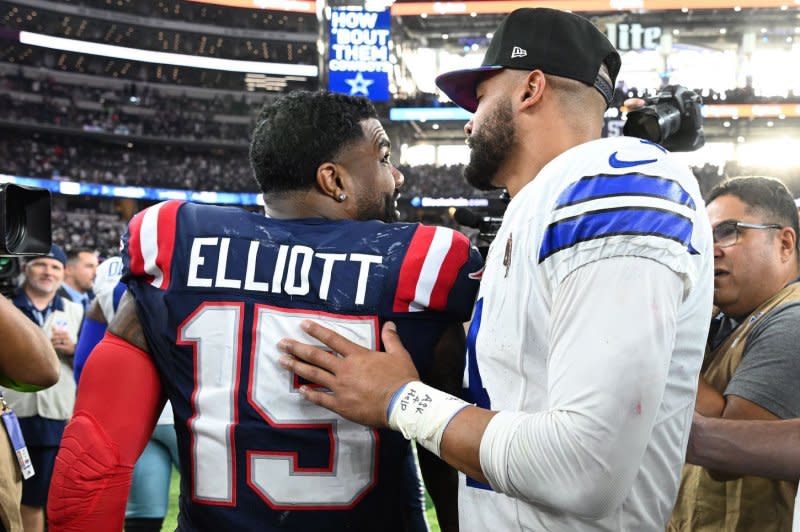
(329, 179)
(535, 83)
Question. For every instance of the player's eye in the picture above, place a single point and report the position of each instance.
(387, 159)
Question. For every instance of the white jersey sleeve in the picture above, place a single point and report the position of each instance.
(105, 286)
(606, 381)
(645, 212)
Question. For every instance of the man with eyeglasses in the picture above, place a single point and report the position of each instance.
(752, 368)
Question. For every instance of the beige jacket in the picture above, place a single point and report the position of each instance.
(746, 503)
(57, 401)
(10, 486)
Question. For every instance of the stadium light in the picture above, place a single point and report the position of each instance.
(165, 58)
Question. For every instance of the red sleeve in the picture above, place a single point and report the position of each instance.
(119, 400)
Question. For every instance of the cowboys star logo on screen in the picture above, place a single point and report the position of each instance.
(359, 85)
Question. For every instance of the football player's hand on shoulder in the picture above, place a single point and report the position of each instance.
(362, 381)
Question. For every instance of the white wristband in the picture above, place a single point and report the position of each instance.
(422, 413)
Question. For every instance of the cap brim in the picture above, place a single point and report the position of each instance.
(460, 85)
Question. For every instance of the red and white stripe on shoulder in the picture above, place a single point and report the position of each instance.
(430, 269)
(152, 241)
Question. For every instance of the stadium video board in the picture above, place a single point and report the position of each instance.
(358, 61)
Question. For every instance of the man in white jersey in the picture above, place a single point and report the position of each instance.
(588, 332)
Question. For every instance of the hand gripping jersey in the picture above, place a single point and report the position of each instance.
(217, 288)
(609, 238)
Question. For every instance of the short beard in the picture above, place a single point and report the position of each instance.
(385, 211)
(489, 147)
(390, 213)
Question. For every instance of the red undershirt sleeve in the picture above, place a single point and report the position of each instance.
(119, 400)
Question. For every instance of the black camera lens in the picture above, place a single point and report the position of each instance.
(643, 124)
(25, 220)
(15, 228)
(654, 123)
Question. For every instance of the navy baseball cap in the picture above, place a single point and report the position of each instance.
(555, 42)
(55, 253)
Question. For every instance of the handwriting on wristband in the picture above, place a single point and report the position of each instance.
(413, 400)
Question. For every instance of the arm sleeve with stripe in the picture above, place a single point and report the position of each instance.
(439, 273)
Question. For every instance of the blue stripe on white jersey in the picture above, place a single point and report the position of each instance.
(607, 185)
(607, 205)
(624, 221)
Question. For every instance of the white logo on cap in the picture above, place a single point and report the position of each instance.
(518, 52)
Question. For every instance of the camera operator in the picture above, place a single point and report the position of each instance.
(43, 414)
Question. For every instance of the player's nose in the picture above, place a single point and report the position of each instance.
(398, 176)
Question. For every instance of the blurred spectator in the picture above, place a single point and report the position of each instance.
(79, 276)
(43, 415)
(752, 368)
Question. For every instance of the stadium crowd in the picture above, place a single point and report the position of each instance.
(141, 95)
(88, 229)
(66, 158)
(185, 40)
(184, 10)
(169, 122)
(76, 159)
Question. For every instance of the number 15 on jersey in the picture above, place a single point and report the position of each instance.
(215, 332)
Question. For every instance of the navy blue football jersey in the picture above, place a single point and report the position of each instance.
(217, 288)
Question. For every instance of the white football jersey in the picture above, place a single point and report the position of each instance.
(588, 336)
(105, 286)
(109, 290)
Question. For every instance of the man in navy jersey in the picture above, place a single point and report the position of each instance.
(213, 289)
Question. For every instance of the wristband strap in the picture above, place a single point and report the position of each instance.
(422, 413)
(393, 401)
